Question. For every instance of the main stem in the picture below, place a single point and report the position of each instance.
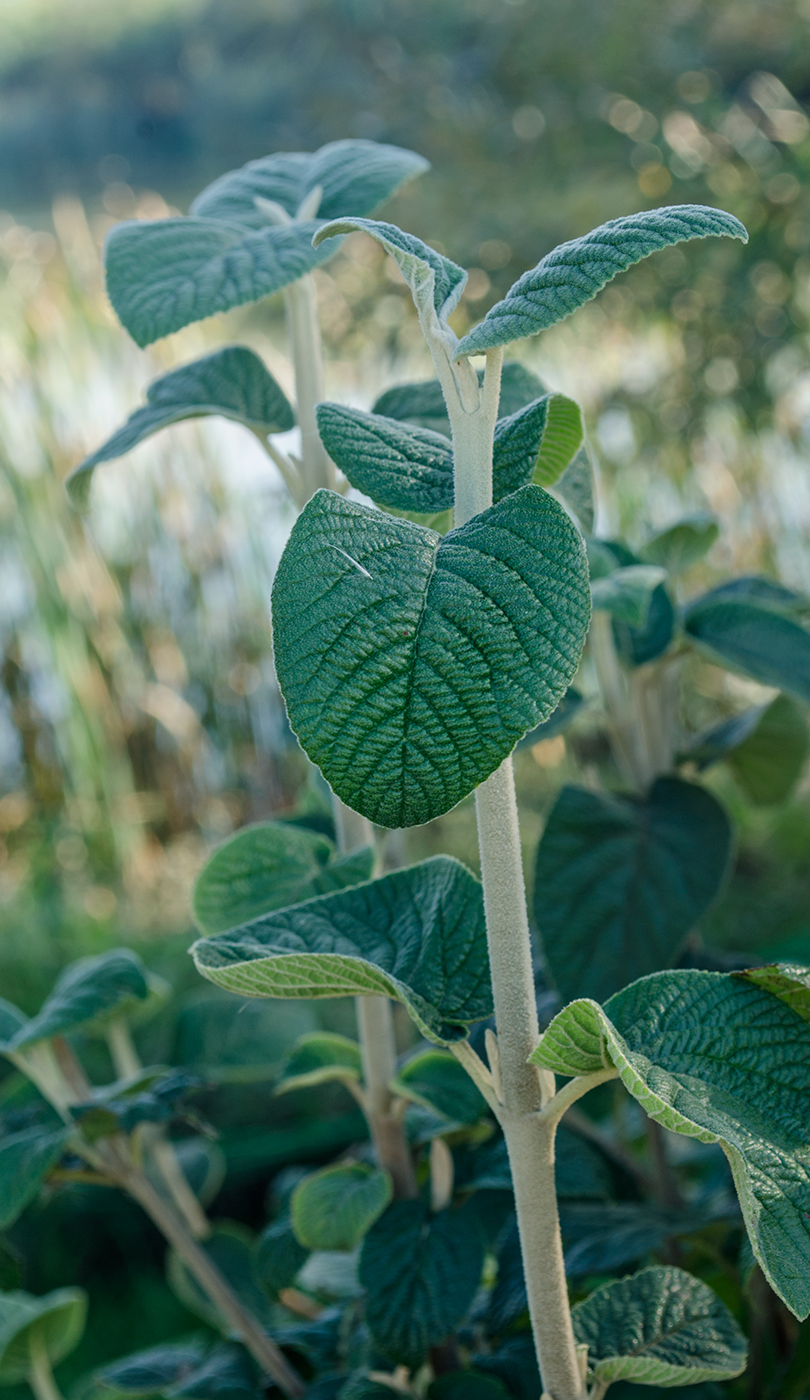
(300, 299)
(529, 1140)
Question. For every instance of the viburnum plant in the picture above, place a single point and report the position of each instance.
(417, 642)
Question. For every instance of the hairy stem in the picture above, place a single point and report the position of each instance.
(40, 1376)
(305, 338)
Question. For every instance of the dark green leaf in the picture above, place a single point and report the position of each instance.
(268, 866)
(335, 1208)
(436, 283)
(574, 272)
(714, 743)
(25, 1160)
(558, 721)
(411, 663)
(661, 1326)
(766, 592)
(89, 993)
(150, 1372)
(514, 1363)
(627, 593)
(606, 1238)
(12, 1021)
(620, 881)
(759, 641)
(361, 1386)
(788, 981)
(638, 645)
(399, 466)
(417, 935)
(230, 1246)
(318, 1058)
(680, 546)
(436, 1079)
(278, 1257)
(768, 762)
(227, 1373)
(421, 1272)
(719, 1059)
(54, 1322)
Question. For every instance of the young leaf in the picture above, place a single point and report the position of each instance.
(435, 1079)
(399, 466)
(319, 1058)
(436, 283)
(788, 981)
(421, 1272)
(151, 1372)
(768, 762)
(231, 383)
(89, 993)
(660, 1327)
(562, 440)
(535, 444)
(635, 645)
(424, 659)
(423, 402)
(335, 1208)
(278, 1256)
(627, 593)
(716, 1058)
(620, 881)
(680, 546)
(752, 638)
(26, 1158)
(574, 272)
(54, 1323)
(417, 935)
(267, 866)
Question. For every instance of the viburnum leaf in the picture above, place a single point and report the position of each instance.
(151, 1372)
(627, 593)
(422, 402)
(763, 642)
(436, 283)
(398, 465)
(788, 981)
(410, 663)
(435, 1079)
(89, 993)
(717, 1058)
(683, 544)
(317, 1058)
(278, 1256)
(574, 272)
(768, 761)
(336, 1207)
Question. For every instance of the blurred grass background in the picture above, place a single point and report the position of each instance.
(139, 721)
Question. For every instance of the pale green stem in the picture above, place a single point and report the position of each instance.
(573, 1090)
(301, 301)
(40, 1377)
(287, 468)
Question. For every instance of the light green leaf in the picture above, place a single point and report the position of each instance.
(231, 383)
(399, 466)
(54, 1322)
(716, 1058)
(660, 1327)
(411, 663)
(335, 1208)
(421, 1272)
(536, 443)
(561, 442)
(318, 1058)
(621, 881)
(752, 638)
(278, 1257)
(574, 272)
(26, 1158)
(627, 593)
(769, 761)
(417, 935)
(788, 981)
(680, 546)
(267, 866)
(89, 993)
(436, 283)
(435, 1079)
(423, 402)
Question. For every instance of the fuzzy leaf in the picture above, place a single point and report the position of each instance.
(436, 283)
(417, 935)
(535, 444)
(411, 663)
(683, 544)
(231, 383)
(635, 645)
(765, 592)
(89, 993)
(270, 865)
(55, 1322)
(757, 640)
(421, 1272)
(606, 1238)
(435, 1079)
(721, 1060)
(278, 1257)
(231, 1248)
(150, 1372)
(319, 1058)
(26, 1158)
(335, 1208)
(575, 488)
(397, 465)
(620, 881)
(720, 739)
(627, 593)
(562, 440)
(574, 272)
(788, 981)
(768, 762)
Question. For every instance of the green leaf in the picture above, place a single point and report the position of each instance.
(753, 588)
(716, 1058)
(90, 993)
(759, 641)
(718, 740)
(467, 1385)
(606, 1238)
(227, 1373)
(411, 663)
(561, 441)
(436, 283)
(680, 546)
(354, 177)
(318, 1058)
(399, 466)
(536, 444)
(436, 1079)
(417, 935)
(627, 593)
(620, 881)
(54, 1322)
(267, 866)
(278, 1257)
(423, 402)
(574, 272)
(557, 722)
(421, 1272)
(150, 1372)
(12, 1021)
(335, 1208)
(575, 488)
(769, 761)
(231, 383)
(362, 1386)
(635, 645)
(26, 1158)
(660, 1327)
(788, 981)
(231, 1248)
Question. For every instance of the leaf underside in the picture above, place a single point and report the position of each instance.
(436, 282)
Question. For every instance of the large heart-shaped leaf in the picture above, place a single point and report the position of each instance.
(421, 1272)
(627, 593)
(422, 402)
(151, 1372)
(230, 383)
(411, 663)
(714, 1057)
(620, 881)
(417, 935)
(26, 1158)
(89, 993)
(660, 1327)
(267, 866)
(436, 283)
(53, 1323)
(336, 1207)
(574, 272)
(764, 643)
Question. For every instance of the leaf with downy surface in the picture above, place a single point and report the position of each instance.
(621, 881)
(318, 1058)
(417, 935)
(12, 1021)
(557, 722)
(226, 1373)
(410, 663)
(421, 1272)
(769, 761)
(422, 402)
(635, 645)
(150, 1372)
(561, 441)
(627, 593)
(397, 465)
(336, 1207)
(267, 866)
(436, 1079)
(718, 740)
(760, 641)
(278, 1256)
(535, 444)
(435, 282)
(606, 1238)
(89, 994)
(230, 383)
(662, 1326)
(53, 1322)
(574, 272)
(790, 982)
(714, 1057)
(683, 544)
(26, 1158)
